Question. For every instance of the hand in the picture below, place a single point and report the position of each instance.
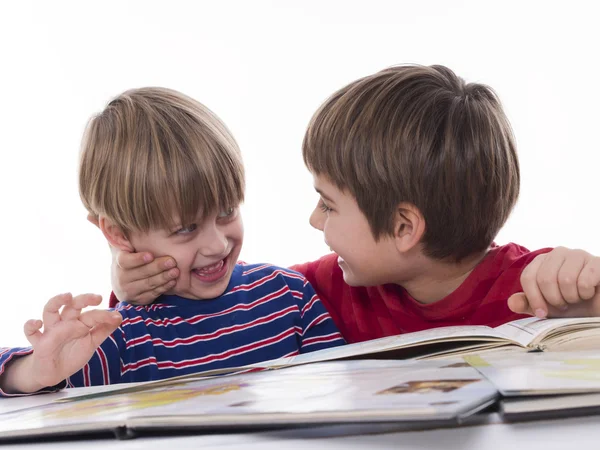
(139, 279)
(562, 283)
(69, 340)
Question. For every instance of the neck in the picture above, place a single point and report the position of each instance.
(438, 279)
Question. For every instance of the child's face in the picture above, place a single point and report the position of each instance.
(346, 230)
(206, 252)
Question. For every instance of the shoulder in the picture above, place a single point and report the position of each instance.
(510, 256)
(326, 265)
(254, 272)
(263, 279)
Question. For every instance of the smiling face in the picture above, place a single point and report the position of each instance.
(206, 252)
(363, 260)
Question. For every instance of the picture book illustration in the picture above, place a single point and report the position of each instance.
(377, 390)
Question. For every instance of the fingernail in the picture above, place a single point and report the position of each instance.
(147, 258)
(169, 263)
(117, 315)
(173, 273)
(540, 313)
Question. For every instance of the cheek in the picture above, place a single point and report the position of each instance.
(234, 231)
(184, 254)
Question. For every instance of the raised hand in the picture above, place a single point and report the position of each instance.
(69, 339)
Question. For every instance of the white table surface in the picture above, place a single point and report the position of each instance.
(570, 434)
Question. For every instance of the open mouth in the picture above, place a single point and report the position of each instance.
(213, 272)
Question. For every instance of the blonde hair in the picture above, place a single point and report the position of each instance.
(153, 153)
(420, 135)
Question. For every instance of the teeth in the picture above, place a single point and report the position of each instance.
(211, 269)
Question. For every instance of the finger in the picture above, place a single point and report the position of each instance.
(127, 260)
(51, 314)
(149, 288)
(101, 332)
(589, 278)
(547, 279)
(73, 310)
(85, 300)
(568, 276)
(146, 298)
(532, 292)
(518, 303)
(102, 324)
(32, 331)
(158, 281)
(95, 317)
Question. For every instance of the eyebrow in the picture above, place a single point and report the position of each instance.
(324, 196)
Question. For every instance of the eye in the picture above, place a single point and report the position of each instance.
(226, 213)
(323, 206)
(186, 230)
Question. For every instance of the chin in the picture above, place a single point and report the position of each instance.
(213, 291)
(351, 280)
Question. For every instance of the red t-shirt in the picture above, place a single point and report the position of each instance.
(364, 313)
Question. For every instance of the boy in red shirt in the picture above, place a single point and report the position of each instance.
(417, 172)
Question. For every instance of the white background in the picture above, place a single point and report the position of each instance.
(264, 68)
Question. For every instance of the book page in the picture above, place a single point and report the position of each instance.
(456, 334)
(537, 373)
(531, 331)
(333, 392)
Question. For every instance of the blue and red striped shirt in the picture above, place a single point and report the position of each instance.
(266, 312)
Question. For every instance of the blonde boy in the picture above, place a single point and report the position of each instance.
(162, 174)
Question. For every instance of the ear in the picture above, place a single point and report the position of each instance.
(93, 219)
(114, 234)
(409, 227)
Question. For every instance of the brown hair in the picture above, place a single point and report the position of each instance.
(153, 153)
(420, 135)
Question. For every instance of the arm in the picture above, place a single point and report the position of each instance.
(18, 361)
(69, 340)
(318, 329)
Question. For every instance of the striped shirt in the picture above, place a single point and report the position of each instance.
(265, 313)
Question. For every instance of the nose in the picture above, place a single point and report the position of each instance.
(316, 219)
(212, 242)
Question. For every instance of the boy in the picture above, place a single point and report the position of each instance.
(162, 174)
(417, 173)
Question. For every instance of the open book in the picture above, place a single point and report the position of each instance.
(524, 334)
(419, 394)
(528, 334)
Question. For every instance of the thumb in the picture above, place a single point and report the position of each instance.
(518, 304)
(32, 331)
(101, 332)
(102, 324)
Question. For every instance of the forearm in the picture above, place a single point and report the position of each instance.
(17, 377)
